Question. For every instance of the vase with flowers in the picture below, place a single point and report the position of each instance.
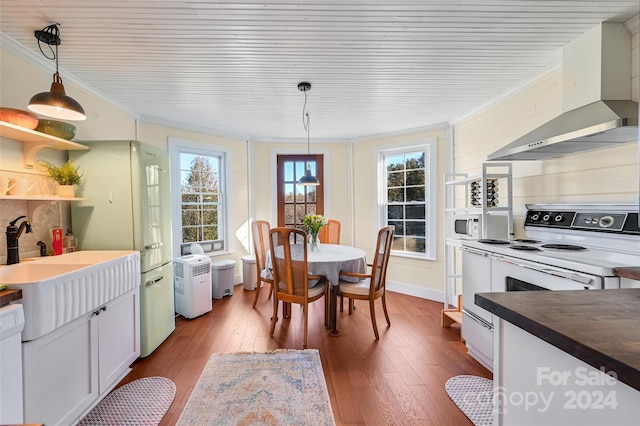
(313, 223)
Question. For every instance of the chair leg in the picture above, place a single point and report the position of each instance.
(306, 322)
(341, 300)
(384, 306)
(255, 299)
(274, 318)
(373, 319)
(351, 302)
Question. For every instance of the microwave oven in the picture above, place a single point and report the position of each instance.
(469, 227)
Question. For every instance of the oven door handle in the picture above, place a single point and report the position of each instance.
(573, 276)
(474, 251)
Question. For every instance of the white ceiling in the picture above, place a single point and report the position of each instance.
(376, 66)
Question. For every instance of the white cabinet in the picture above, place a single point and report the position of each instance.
(487, 196)
(69, 370)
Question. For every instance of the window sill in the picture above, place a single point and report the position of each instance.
(412, 256)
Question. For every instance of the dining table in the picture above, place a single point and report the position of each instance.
(329, 261)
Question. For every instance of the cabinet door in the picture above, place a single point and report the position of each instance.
(119, 338)
(60, 378)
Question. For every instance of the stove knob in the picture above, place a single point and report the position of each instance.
(559, 218)
(606, 221)
(535, 217)
(546, 217)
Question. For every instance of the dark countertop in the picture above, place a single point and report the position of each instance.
(633, 273)
(8, 296)
(599, 327)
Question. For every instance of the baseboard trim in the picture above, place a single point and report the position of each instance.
(412, 290)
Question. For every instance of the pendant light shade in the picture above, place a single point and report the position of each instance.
(308, 179)
(55, 103)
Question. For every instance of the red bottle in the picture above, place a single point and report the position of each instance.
(56, 241)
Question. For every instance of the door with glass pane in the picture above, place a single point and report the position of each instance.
(295, 201)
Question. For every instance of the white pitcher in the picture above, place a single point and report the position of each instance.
(19, 186)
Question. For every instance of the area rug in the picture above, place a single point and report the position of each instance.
(141, 402)
(283, 387)
(474, 397)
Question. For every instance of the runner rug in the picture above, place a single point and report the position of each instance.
(142, 402)
(283, 387)
(474, 397)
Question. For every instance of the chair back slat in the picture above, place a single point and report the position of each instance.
(330, 233)
(289, 261)
(260, 233)
(381, 258)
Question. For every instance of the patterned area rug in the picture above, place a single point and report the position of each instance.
(474, 396)
(283, 387)
(141, 402)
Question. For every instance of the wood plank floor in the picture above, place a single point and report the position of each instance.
(397, 380)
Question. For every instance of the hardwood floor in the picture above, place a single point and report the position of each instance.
(397, 380)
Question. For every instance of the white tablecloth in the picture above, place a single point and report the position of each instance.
(329, 260)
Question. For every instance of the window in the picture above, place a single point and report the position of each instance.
(295, 201)
(407, 181)
(198, 180)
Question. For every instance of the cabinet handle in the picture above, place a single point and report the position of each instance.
(97, 311)
(152, 246)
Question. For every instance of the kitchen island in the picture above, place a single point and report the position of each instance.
(566, 357)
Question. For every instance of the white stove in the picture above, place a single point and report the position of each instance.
(566, 247)
(592, 239)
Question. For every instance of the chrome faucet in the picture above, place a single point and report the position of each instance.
(13, 233)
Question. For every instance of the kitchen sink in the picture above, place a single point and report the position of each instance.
(58, 289)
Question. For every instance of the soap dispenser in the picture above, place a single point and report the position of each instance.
(70, 242)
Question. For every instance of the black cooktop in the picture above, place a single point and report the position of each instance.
(570, 247)
(492, 241)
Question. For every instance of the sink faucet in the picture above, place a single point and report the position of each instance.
(13, 233)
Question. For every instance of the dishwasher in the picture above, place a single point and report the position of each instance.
(11, 325)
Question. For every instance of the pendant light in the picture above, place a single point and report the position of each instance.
(55, 103)
(308, 179)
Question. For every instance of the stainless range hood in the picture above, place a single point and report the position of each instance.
(596, 99)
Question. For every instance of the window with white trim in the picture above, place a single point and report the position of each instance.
(199, 206)
(408, 198)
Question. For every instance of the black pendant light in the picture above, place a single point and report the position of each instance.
(55, 103)
(308, 179)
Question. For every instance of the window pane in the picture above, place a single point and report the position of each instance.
(395, 179)
(415, 211)
(288, 171)
(415, 160)
(311, 209)
(395, 212)
(300, 212)
(288, 193)
(415, 228)
(398, 243)
(395, 163)
(396, 195)
(399, 227)
(311, 194)
(415, 193)
(299, 194)
(415, 177)
(415, 244)
(288, 214)
(299, 170)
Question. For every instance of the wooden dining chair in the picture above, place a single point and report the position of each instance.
(260, 233)
(291, 274)
(372, 285)
(330, 233)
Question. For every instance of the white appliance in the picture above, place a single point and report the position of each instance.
(567, 247)
(11, 326)
(126, 185)
(468, 226)
(192, 282)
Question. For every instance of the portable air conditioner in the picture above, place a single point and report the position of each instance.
(192, 282)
